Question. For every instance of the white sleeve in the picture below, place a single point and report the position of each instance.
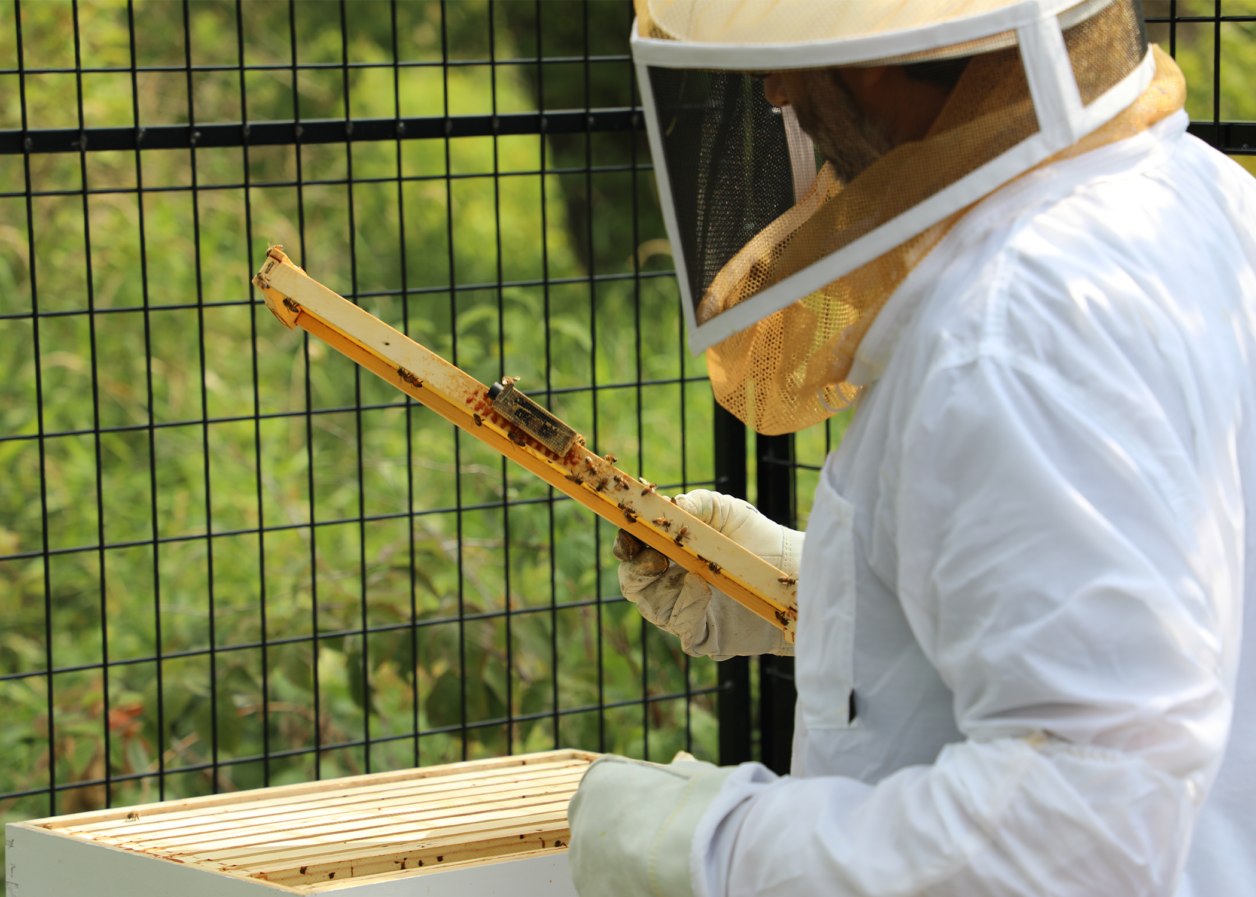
(1058, 566)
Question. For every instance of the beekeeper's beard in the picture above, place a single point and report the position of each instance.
(845, 136)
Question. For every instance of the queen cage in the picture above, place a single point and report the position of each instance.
(750, 232)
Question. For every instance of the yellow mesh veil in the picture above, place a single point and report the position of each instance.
(788, 370)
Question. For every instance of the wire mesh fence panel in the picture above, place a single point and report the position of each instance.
(228, 557)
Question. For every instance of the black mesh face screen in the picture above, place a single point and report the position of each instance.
(727, 162)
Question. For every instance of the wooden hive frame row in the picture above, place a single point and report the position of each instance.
(306, 837)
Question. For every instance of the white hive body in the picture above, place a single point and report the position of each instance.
(484, 827)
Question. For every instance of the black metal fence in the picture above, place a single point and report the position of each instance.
(228, 559)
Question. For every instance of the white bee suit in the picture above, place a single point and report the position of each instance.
(1028, 560)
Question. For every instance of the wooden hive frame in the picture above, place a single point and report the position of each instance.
(633, 505)
(454, 825)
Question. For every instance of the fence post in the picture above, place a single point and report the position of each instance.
(735, 699)
(776, 490)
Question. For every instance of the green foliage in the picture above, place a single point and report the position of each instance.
(176, 433)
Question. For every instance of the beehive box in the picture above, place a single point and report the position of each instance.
(485, 827)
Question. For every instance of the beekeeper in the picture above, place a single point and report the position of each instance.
(1021, 593)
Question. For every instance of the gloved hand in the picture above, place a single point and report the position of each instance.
(706, 620)
(633, 825)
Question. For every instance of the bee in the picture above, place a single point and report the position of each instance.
(662, 523)
(680, 536)
(574, 479)
(601, 484)
(479, 421)
(408, 377)
(588, 462)
(782, 618)
(609, 459)
(630, 515)
(787, 580)
(649, 487)
(621, 481)
(518, 437)
(672, 499)
(714, 567)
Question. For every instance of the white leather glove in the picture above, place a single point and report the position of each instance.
(633, 825)
(707, 621)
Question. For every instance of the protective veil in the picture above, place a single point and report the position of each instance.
(782, 268)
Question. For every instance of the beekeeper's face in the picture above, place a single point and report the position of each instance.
(856, 115)
(827, 111)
